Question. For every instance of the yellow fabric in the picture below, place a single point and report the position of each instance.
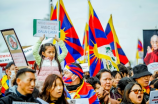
(54, 41)
(51, 11)
(62, 4)
(95, 50)
(4, 82)
(137, 56)
(83, 60)
(77, 96)
(115, 38)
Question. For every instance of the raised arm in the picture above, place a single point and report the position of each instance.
(62, 56)
(35, 50)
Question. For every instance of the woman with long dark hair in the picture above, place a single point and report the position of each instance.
(133, 94)
(53, 90)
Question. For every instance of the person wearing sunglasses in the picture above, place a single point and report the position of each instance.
(133, 94)
(142, 76)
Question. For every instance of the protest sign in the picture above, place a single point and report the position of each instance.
(153, 67)
(42, 101)
(153, 97)
(6, 57)
(49, 28)
(0, 72)
(150, 46)
(14, 47)
(16, 102)
(78, 101)
(85, 67)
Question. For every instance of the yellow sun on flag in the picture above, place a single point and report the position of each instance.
(63, 35)
(95, 51)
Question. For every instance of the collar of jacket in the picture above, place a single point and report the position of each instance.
(74, 87)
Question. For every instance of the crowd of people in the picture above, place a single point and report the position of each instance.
(47, 83)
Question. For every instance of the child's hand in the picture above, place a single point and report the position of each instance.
(42, 38)
(56, 38)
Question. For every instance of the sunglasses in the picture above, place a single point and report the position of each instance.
(119, 99)
(136, 91)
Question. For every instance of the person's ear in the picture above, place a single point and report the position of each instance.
(18, 80)
(6, 71)
(43, 53)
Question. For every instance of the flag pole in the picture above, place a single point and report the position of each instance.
(107, 64)
(58, 10)
(50, 8)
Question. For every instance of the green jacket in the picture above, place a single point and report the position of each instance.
(37, 57)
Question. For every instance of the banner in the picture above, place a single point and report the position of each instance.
(153, 97)
(78, 101)
(6, 58)
(0, 72)
(16, 102)
(150, 39)
(153, 67)
(49, 28)
(85, 67)
(14, 47)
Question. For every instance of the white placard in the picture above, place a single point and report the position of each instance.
(6, 58)
(153, 97)
(15, 102)
(78, 101)
(85, 67)
(0, 72)
(153, 67)
(42, 101)
(49, 28)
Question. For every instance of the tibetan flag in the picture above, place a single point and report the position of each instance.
(54, 13)
(83, 59)
(114, 43)
(5, 84)
(85, 40)
(53, 16)
(122, 57)
(140, 46)
(68, 34)
(84, 91)
(51, 11)
(95, 62)
(139, 54)
(99, 48)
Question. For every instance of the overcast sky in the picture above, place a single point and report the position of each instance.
(130, 17)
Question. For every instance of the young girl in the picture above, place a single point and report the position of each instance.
(47, 60)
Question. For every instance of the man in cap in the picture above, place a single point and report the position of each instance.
(76, 86)
(142, 76)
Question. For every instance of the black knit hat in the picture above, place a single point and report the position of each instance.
(140, 71)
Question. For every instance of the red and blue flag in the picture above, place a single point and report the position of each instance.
(96, 39)
(68, 34)
(114, 43)
(140, 46)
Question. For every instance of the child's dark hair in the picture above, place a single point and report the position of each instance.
(43, 49)
(93, 81)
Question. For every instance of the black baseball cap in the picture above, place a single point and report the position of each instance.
(9, 65)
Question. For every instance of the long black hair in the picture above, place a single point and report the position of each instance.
(43, 48)
(45, 94)
(127, 90)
